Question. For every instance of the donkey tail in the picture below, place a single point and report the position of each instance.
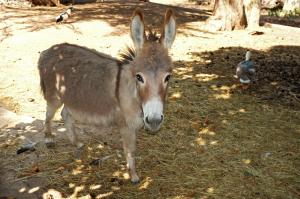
(40, 68)
(43, 87)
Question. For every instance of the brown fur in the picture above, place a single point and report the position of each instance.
(62, 74)
(100, 90)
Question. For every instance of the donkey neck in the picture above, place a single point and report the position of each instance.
(127, 84)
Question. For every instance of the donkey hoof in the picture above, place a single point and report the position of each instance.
(50, 143)
(135, 180)
(78, 150)
(77, 154)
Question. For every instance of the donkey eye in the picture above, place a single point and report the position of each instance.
(139, 78)
(167, 78)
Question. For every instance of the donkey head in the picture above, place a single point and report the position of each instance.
(152, 66)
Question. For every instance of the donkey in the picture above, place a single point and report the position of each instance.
(99, 90)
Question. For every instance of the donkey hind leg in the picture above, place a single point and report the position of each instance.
(129, 145)
(51, 110)
(71, 130)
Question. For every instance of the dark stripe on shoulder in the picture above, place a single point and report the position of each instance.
(117, 91)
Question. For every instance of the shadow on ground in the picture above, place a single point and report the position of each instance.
(115, 13)
(286, 21)
(277, 78)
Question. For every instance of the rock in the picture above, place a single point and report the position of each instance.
(11, 119)
(30, 100)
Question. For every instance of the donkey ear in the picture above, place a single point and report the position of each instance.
(169, 29)
(137, 29)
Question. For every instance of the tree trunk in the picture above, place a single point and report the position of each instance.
(230, 14)
(252, 11)
(46, 2)
(291, 5)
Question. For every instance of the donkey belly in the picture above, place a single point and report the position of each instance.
(110, 119)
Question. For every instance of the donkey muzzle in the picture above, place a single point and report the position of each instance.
(153, 114)
(153, 123)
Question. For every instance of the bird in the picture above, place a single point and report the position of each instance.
(245, 70)
(64, 15)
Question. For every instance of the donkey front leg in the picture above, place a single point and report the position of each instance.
(129, 145)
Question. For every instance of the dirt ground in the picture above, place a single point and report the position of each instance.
(219, 140)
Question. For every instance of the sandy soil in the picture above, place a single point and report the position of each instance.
(26, 32)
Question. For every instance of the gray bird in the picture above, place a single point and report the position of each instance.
(245, 70)
(64, 15)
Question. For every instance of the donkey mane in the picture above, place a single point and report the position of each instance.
(152, 36)
(128, 54)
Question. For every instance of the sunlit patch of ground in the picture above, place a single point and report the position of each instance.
(218, 140)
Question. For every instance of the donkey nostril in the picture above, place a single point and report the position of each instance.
(161, 118)
(147, 120)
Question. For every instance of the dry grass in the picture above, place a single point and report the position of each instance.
(218, 140)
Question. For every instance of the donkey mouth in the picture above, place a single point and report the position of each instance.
(152, 130)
